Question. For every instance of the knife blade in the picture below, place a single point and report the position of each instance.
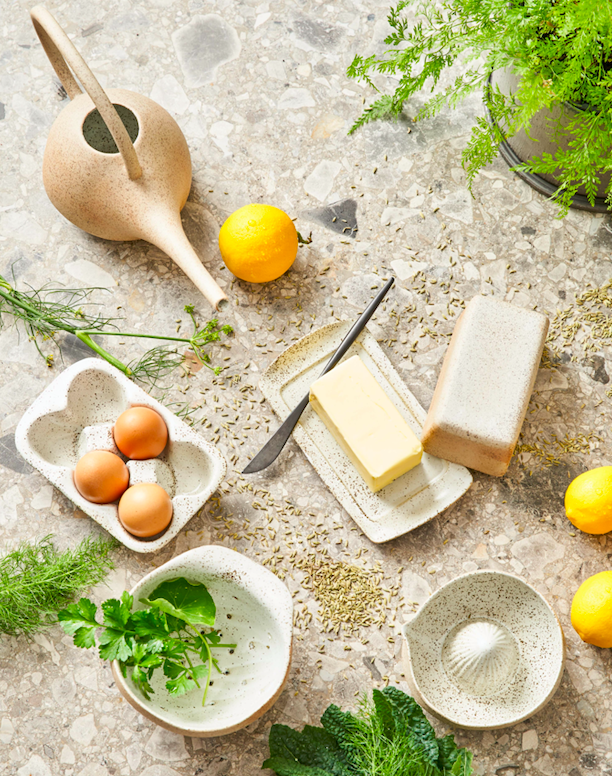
(271, 450)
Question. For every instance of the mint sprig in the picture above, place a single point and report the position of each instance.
(388, 736)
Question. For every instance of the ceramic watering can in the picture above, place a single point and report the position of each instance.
(116, 163)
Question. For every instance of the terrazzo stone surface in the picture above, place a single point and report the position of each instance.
(260, 92)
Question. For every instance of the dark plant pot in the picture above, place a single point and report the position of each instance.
(543, 137)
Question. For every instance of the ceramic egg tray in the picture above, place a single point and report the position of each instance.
(76, 414)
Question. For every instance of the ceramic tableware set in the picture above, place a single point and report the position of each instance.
(486, 650)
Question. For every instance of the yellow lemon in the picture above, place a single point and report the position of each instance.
(588, 501)
(592, 610)
(258, 243)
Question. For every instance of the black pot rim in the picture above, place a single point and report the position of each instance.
(512, 159)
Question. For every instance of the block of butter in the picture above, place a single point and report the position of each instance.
(365, 423)
(486, 380)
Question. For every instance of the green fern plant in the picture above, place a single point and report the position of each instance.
(561, 49)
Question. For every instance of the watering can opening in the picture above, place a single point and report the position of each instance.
(98, 135)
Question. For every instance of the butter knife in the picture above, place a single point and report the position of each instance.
(271, 450)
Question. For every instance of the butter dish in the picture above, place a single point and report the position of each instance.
(403, 505)
(485, 383)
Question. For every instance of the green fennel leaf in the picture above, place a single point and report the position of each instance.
(37, 581)
(189, 601)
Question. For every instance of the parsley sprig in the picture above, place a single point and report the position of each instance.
(171, 634)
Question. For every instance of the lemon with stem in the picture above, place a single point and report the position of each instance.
(258, 243)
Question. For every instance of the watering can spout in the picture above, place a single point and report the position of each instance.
(166, 232)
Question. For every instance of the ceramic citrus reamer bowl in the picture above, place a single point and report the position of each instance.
(485, 651)
(254, 611)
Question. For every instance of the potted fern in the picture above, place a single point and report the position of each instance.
(545, 69)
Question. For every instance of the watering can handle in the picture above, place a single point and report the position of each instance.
(66, 60)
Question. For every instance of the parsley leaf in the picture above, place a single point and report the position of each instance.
(160, 636)
(114, 645)
(79, 620)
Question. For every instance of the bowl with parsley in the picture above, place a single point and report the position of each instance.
(201, 646)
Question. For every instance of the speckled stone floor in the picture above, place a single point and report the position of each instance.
(260, 92)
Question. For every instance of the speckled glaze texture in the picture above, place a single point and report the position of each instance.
(485, 384)
(409, 501)
(522, 664)
(76, 413)
(254, 611)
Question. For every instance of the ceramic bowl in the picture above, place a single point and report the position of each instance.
(485, 651)
(254, 611)
(76, 414)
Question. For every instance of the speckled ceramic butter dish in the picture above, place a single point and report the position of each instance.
(76, 414)
(484, 387)
(485, 651)
(403, 505)
(254, 611)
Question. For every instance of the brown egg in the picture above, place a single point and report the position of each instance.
(101, 476)
(145, 510)
(140, 433)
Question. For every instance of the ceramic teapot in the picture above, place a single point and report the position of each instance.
(116, 163)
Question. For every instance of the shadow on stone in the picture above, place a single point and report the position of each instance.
(340, 217)
(10, 458)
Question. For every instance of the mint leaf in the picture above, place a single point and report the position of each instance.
(189, 601)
